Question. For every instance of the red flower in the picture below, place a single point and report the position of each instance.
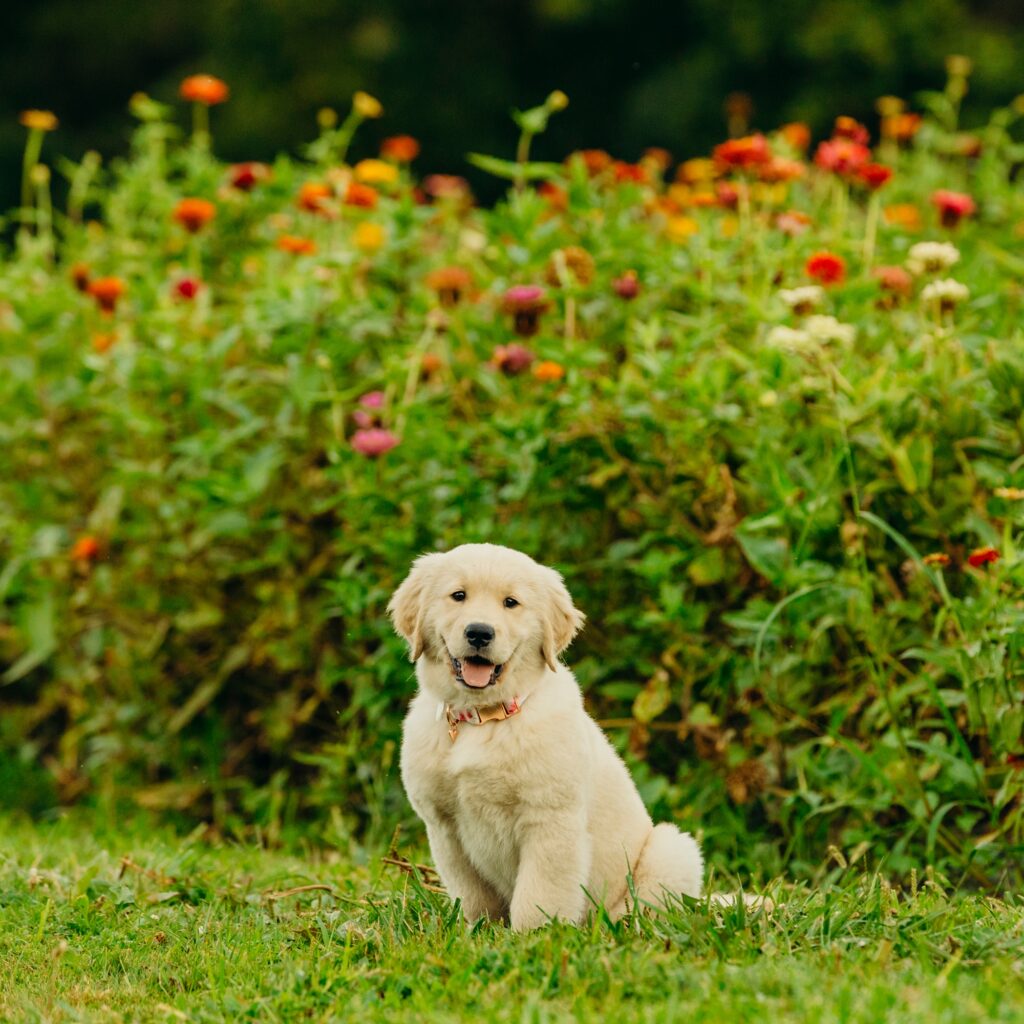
(797, 134)
(194, 214)
(187, 288)
(204, 89)
(595, 160)
(842, 156)
(373, 442)
(895, 280)
(952, 206)
(246, 176)
(749, 151)
(852, 129)
(557, 198)
(826, 267)
(403, 149)
(625, 172)
(874, 175)
(982, 556)
(627, 286)
(296, 245)
(312, 195)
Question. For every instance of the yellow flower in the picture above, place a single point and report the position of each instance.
(366, 105)
(39, 120)
(376, 172)
(679, 229)
(1010, 493)
(557, 101)
(368, 236)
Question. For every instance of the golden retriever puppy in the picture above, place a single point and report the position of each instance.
(529, 811)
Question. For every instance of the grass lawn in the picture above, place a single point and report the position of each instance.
(128, 924)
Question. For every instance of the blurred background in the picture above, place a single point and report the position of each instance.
(637, 73)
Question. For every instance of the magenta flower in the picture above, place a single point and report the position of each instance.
(512, 359)
(373, 442)
(373, 400)
(525, 302)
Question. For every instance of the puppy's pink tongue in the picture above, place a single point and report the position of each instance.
(476, 675)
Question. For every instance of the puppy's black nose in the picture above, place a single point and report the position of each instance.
(479, 634)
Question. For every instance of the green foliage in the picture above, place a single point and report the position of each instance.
(142, 925)
(195, 557)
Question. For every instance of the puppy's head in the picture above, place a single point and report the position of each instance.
(487, 613)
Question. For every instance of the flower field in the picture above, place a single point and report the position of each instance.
(764, 408)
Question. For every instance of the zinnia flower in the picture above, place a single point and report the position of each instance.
(450, 283)
(403, 149)
(828, 328)
(826, 267)
(797, 134)
(374, 442)
(938, 559)
(86, 548)
(194, 214)
(932, 257)
(375, 172)
(852, 129)
(38, 120)
(952, 206)
(247, 175)
(187, 288)
(312, 196)
(296, 245)
(360, 195)
(874, 175)
(595, 160)
(80, 276)
(895, 282)
(946, 294)
(793, 222)
(982, 556)
(106, 291)
(572, 263)
(204, 89)
(447, 186)
(901, 127)
(512, 359)
(803, 300)
(369, 237)
(790, 339)
(842, 156)
(627, 286)
(904, 215)
(740, 154)
(549, 370)
(525, 302)
(1010, 493)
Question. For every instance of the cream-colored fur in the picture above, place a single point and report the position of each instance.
(533, 817)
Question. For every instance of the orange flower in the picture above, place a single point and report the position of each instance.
(938, 559)
(901, 127)
(38, 120)
(312, 195)
(194, 214)
(842, 156)
(781, 169)
(826, 267)
(106, 291)
(360, 195)
(548, 370)
(204, 89)
(896, 282)
(450, 283)
(595, 160)
(296, 245)
(697, 171)
(557, 198)
(103, 341)
(431, 363)
(903, 215)
(982, 556)
(852, 129)
(86, 548)
(749, 151)
(626, 172)
(797, 134)
(403, 149)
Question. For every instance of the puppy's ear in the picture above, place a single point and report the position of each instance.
(562, 620)
(407, 608)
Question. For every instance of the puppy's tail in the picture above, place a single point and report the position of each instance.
(670, 863)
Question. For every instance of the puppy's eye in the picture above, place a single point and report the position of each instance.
(511, 602)
(459, 595)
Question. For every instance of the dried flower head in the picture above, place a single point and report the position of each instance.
(512, 359)
(568, 266)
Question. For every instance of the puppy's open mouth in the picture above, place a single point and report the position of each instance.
(475, 671)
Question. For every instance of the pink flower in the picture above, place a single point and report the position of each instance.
(842, 156)
(373, 400)
(512, 359)
(373, 442)
(187, 288)
(952, 206)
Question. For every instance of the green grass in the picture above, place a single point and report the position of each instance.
(105, 924)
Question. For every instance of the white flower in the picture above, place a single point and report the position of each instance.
(932, 257)
(828, 328)
(790, 340)
(946, 293)
(804, 299)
